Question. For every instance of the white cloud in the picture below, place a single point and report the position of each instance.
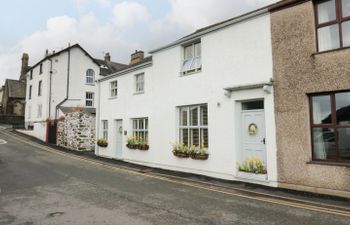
(128, 14)
(131, 28)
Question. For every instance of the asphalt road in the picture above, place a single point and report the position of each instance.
(40, 187)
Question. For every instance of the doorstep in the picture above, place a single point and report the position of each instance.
(215, 182)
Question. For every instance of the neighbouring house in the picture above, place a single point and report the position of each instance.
(212, 89)
(76, 129)
(62, 79)
(13, 92)
(310, 43)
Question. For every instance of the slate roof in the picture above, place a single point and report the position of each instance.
(109, 67)
(16, 88)
(146, 59)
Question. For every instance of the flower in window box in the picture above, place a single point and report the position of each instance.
(102, 142)
(133, 142)
(180, 150)
(199, 152)
(142, 144)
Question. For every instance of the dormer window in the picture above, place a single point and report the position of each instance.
(90, 77)
(192, 58)
(332, 24)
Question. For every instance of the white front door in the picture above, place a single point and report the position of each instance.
(119, 138)
(253, 134)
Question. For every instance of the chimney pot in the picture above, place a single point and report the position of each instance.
(108, 57)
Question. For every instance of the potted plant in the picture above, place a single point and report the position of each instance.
(132, 142)
(61, 118)
(180, 150)
(199, 152)
(102, 142)
(143, 144)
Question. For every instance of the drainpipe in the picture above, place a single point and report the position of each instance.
(97, 151)
(50, 87)
(67, 92)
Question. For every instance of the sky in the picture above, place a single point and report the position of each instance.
(99, 26)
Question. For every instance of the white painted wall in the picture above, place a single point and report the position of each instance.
(237, 55)
(79, 64)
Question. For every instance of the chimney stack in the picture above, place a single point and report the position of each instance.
(137, 57)
(24, 68)
(107, 57)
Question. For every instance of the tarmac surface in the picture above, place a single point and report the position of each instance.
(41, 186)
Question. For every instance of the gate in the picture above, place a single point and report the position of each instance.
(52, 132)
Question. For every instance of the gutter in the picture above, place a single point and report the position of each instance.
(195, 35)
(120, 73)
(67, 92)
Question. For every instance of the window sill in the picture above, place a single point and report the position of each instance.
(139, 93)
(113, 97)
(328, 51)
(328, 163)
(90, 84)
(189, 73)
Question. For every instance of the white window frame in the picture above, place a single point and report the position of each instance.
(105, 129)
(137, 130)
(114, 89)
(90, 77)
(40, 110)
(40, 88)
(140, 83)
(188, 65)
(89, 99)
(188, 126)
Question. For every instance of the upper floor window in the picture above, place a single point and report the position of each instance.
(192, 58)
(31, 75)
(41, 68)
(90, 76)
(330, 126)
(40, 88)
(140, 83)
(333, 24)
(30, 92)
(114, 88)
(89, 100)
(40, 110)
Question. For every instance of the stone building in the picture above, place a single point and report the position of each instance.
(310, 45)
(76, 129)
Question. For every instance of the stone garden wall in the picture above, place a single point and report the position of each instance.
(77, 131)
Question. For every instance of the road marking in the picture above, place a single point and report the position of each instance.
(268, 199)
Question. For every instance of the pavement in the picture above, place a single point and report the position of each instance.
(46, 185)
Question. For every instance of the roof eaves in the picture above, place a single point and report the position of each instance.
(285, 4)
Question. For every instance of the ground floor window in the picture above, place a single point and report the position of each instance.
(193, 125)
(105, 129)
(140, 128)
(330, 126)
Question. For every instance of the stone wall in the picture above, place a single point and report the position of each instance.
(298, 71)
(77, 131)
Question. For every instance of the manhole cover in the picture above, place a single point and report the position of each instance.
(2, 142)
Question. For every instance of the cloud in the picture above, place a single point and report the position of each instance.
(130, 26)
(128, 14)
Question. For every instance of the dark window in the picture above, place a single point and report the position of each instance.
(332, 24)
(31, 75)
(30, 92)
(39, 88)
(253, 105)
(330, 126)
(41, 69)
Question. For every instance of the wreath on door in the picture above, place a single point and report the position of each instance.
(252, 129)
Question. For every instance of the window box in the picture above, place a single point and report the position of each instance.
(132, 146)
(251, 176)
(199, 156)
(181, 154)
(102, 143)
(143, 147)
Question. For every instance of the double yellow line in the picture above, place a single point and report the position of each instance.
(289, 202)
